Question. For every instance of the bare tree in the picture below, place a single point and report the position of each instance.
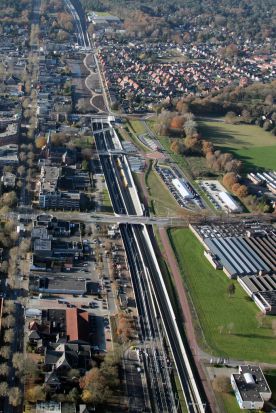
(18, 361)
(8, 321)
(15, 396)
(4, 369)
(3, 389)
(5, 352)
(9, 336)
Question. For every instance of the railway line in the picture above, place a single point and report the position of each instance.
(152, 301)
(151, 295)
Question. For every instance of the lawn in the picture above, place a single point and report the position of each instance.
(133, 129)
(137, 126)
(106, 202)
(83, 142)
(251, 144)
(229, 324)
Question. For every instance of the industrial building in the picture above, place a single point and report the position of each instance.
(262, 290)
(182, 188)
(250, 387)
(265, 178)
(236, 256)
(229, 202)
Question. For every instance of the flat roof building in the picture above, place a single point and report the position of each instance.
(229, 202)
(181, 187)
(266, 301)
(236, 256)
(250, 387)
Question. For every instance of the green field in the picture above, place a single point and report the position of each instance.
(137, 126)
(229, 324)
(251, 144)
(106, 202)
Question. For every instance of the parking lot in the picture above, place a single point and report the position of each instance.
(233, 229)
(167, 175)
(212, 188)
(104, 271)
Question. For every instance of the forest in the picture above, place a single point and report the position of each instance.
(250, 19)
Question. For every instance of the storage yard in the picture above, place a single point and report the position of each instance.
(181, 190)
(217, 195)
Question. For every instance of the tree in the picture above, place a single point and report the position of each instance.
(177, 147)
(177, 122)
(5, 352)
(190, 128)
(86, 153)
(222, 384)
(40, 142)
(18, 361)
(9, 199)
(31, 370)
(4, 369)
(73, 396)
(124, 329)
(3, 389)
(230, 117)
(231, 289)
(9, 307)
(207, 147)
(242, 191)
(21, 170)
(229, 180)
(8, 321)
(9, 336)
(73, 373)
(15, 396)
(35, 394)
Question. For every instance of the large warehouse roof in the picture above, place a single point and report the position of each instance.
(228, 200)
(179, 184)
(236, 256)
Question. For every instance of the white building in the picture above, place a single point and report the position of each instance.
(229, 202)
(181, 187)
(250, 387)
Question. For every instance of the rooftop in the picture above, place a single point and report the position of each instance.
(251, 383)
(77, 324)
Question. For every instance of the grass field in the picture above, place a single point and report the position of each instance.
(106, 202)
(133, 129)
(137, 126)
(229, 324)
(250, 143)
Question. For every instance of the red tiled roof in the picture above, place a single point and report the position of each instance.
(77, 324)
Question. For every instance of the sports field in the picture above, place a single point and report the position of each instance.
(251, 144)
(229, 323)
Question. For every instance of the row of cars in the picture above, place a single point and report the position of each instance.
(210, 188)
(167, 176)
